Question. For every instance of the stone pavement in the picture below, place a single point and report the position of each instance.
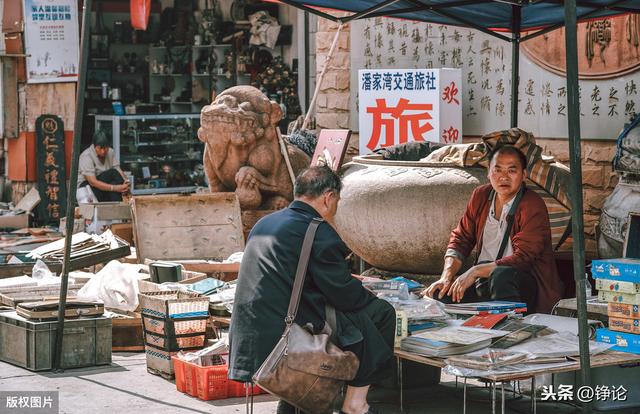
(126, 387)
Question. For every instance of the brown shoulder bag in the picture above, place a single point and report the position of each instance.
(304, 369)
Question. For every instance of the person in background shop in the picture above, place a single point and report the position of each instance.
(520, 267)
(99, 169)
(365, 324)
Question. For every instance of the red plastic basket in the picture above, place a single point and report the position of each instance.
(208, 383)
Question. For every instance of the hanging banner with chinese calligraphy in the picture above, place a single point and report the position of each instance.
(606, 103)
(404, 105)
(51, 175)
(51, 40)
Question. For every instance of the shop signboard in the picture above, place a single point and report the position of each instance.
(397, 106)
(50, 157)
(51, 40)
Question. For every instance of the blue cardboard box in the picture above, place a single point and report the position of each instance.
(624, 342)
(624, 270)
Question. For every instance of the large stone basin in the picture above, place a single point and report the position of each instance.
(397, 215)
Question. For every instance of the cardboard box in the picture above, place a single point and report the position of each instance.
(617, 297)
(617, 286)
(622, 310)
(625, 325)
(14, 222)
(124, 231)
(26, 204)
(624, 270)
(105, 211)
(624, 342)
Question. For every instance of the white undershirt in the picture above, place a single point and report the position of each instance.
(494, 232)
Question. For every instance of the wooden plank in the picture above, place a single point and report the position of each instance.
(10, 98)
(51, 98)
(183, 227)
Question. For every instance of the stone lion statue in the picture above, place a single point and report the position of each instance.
(242, 151)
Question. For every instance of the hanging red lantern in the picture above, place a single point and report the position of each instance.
(140, 13)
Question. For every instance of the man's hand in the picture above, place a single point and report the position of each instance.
(461, 284)
(121, 188)
(442, 285)
(468, 278)
(451, 266)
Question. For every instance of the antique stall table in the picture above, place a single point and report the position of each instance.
(604, 359)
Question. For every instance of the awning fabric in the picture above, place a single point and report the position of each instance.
(488, 14)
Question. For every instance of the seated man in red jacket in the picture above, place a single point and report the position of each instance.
(520, 267)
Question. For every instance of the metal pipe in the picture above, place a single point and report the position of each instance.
(465, 22)
(73, 179)
(573, 107)
(307, 72)
(310, 10)
(516, 22)
(367, 12)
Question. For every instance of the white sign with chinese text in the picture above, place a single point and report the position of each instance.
(51, 40)
(397, 106)
(485, 61)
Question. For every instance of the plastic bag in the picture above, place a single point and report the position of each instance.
(421, 308)
(116, 285)
(42, 275)
(140, 13)
(388, 290)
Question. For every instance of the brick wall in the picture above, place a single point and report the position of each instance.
(598, 177)
(332, 106)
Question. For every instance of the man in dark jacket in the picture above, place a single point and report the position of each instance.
(365, 324)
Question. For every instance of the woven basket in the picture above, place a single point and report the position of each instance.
(174, 304)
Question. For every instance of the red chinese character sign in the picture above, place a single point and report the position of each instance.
(397, 106)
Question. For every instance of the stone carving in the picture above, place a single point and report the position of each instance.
(624, 198)
(242, 151)
(607, 48)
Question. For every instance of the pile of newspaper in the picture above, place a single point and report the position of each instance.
(82, 244)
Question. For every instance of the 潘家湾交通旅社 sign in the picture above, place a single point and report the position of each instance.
(397, 106)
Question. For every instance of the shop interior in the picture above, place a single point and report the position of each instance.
(146, 88)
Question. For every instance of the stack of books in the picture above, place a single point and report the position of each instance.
(485, 308)
(618, 283)
(452, 340)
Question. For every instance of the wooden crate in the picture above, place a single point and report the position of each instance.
(187, 227)
(127, 334)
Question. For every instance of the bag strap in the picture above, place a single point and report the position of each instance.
(301, 271)
(510, 220)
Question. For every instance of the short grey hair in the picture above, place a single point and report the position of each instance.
(315, 181)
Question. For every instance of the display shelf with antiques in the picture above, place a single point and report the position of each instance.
(118, 57)
(160, 153)
(189, 53)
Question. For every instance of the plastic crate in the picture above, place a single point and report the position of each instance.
(30, 344)
(208, 383)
